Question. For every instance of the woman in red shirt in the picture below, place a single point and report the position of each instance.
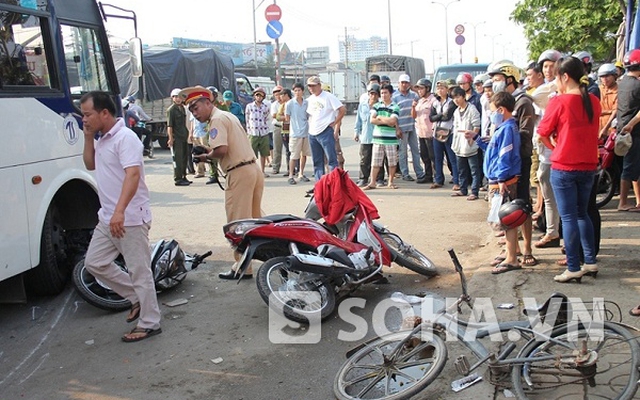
(570, 128)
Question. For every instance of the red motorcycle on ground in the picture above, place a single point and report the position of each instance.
(330, 260)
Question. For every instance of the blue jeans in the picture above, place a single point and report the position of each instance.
(410, 139)
(469, 166)
(439, 150)
(323, 144)
(572, 190)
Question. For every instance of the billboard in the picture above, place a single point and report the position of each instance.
(241, 53)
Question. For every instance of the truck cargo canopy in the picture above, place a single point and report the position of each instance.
(166, 68)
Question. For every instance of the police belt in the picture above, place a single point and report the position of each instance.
(240, 165)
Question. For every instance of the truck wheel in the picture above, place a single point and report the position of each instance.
(50, 276)
(162, 141)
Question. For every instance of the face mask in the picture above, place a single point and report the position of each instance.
(499, 86)
(496, 118)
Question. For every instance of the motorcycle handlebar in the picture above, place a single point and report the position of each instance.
(199, 259)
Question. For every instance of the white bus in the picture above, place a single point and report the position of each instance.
(51, 53)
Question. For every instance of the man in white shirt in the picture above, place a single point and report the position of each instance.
(124, 218)
(325, 117)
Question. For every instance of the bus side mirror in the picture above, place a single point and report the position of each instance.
(135, 56)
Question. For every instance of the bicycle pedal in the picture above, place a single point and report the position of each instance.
(462, 365)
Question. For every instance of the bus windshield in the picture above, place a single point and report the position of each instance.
(84, 59)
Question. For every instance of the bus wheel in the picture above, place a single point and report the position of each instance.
(51, 275)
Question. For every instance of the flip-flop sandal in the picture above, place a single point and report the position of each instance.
(392, 187)
(134, 313)
(497, 261)
(634, 209)
(368, 187)
(631, 312)
(147, 334)
(562, 262)
(502, 268)
(529, 260)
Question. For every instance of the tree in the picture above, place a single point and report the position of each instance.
(570, 25)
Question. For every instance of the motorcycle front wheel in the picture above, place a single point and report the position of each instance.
(408, 256)
(97, 293)
(299, 296)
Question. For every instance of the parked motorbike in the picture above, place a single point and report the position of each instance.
(608, 174)
(305, 255)
(169, 265)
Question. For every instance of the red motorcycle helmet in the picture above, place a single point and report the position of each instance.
(514, 213)
(632, 58)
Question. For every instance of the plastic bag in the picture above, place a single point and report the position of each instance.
(493, 218)
(623, 144)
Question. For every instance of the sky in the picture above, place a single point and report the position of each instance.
(417, 26)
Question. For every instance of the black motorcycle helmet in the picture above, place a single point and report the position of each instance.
(514, 213)
(424, 82)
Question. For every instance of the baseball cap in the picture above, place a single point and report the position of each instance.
(227, 95)
(404, 78)
(314, 80)
(488, 83)
(277, 89)
(385, 78)
(374, 77)
(175, 92)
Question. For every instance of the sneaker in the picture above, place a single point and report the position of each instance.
(361, 183)
(292, 181)
(425, 179)
(304, 178)
(381, 182)
(408, 178)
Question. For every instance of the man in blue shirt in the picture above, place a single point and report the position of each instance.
(364, 132)
(234, 107)
(296, 115)
(405, 99)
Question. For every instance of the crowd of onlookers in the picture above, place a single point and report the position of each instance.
(529, 134)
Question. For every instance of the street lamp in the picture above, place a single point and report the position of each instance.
(255, 38)
(446, 23)
(389, 18)
(475, 42)
(493, 45)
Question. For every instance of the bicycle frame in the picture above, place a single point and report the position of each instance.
(453, 326)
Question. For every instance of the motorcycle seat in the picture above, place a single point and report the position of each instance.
(281, 217)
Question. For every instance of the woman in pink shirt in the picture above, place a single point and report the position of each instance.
(570, 128)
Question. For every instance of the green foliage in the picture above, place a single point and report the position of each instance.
(569, 25)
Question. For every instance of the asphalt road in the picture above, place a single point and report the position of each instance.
(64, 348)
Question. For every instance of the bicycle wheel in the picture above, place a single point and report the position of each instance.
(407, 256)
(576, 365)
(374, 372)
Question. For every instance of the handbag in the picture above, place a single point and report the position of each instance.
(623, 144)
(441, 133)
